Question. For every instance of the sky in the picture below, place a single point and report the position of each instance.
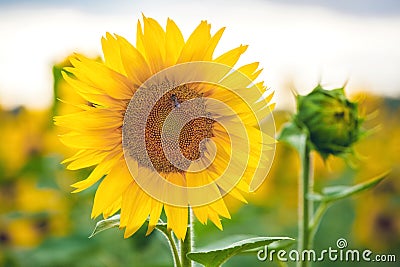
(298, 43)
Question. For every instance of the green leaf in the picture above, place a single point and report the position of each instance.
(105, 225)
(217, 257)
(332, 190)
(295, 136)
(335, 193)
(277, 245)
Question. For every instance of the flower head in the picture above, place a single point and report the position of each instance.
(331, 119)
(170, 125)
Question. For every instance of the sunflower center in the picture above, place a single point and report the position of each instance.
(165, 146)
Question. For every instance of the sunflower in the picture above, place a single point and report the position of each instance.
(169, 126)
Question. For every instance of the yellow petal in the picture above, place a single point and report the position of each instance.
(75, 156)
(153, 38)
(102, 141)
(134, 62)
(111, 188)
(92, 94)
(197, 43)
(112, 53)
(224, 185)
(126, 204)
(220, 207)
(94, 119)
(231, 57)
(111, 210)
(201, 213)
(215, 218)
(174, 43)
(249, 69)
(139, 39)
(79, 85)
(212, 44)
(155, 213)
(177, 178)
(86, 159)
(236, 194)
(200, 179)
(105, 79)
(102, 169)
(177, 220)
(136, 206)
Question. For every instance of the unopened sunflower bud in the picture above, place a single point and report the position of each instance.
(332, 120)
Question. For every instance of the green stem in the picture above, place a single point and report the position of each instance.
(172, 246)
(187, 244)
(313, 227)
(305, 205)
(174, 250)
(310, 201)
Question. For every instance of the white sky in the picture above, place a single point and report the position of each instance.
(296, 45)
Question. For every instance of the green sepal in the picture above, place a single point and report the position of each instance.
(114, 221)
(295, 136)
(106, 224)
(217, 257)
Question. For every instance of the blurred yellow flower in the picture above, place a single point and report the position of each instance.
(22, 132)
(23, 234)
(377, 222)
(97, 131)
(39, 212)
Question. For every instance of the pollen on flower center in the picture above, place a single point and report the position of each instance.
(156, 144)
(190, 135)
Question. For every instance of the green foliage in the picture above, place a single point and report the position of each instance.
(106, 224)
(295, 135)
(217, 257)
(213, 257)
(43, 224)
(334, 193)
(317, 126)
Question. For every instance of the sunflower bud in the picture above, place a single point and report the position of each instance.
(331, 119)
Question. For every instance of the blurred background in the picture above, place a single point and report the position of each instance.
(299, 43)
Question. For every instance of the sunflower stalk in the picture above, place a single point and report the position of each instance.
(173, 248)
(186, 245)
(167, 233)
(328, 123)
(306, 185)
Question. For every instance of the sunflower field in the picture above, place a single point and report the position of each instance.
(43, 224)
(166, 152)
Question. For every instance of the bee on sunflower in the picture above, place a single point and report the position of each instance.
(169, 127)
